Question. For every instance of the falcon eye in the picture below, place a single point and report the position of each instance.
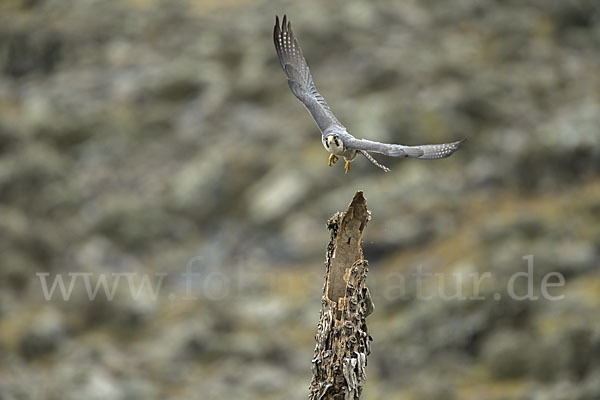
(335, 139)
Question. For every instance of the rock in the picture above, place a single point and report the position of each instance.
(45, 334)
(276, 194)
(509, 354)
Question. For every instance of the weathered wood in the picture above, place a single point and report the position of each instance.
(342, 340)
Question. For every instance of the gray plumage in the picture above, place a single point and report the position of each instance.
(335, 136)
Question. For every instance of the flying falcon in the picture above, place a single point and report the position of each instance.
(334, 135)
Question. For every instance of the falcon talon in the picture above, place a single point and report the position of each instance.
(332, 159)
(334, 135)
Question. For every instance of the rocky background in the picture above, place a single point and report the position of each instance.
(147, 139)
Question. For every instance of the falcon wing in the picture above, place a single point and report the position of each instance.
(426, 152)
(299, 79)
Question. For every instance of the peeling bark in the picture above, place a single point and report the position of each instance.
(342, 340)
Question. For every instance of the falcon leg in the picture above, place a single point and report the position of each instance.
(332, 159)
(347, 167)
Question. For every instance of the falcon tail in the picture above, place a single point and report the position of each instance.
(374, 161)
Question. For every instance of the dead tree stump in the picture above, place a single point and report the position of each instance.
(342, 340)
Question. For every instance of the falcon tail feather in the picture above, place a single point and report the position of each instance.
(374, 161)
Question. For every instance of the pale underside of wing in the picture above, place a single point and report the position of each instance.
(425, 152)
(299, 78)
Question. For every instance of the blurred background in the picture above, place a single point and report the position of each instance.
(141, 140)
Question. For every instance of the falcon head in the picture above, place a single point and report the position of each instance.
(334, 143)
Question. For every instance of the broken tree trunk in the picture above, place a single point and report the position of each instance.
(343, 342)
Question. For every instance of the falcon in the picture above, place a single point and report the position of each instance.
(334, 135)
